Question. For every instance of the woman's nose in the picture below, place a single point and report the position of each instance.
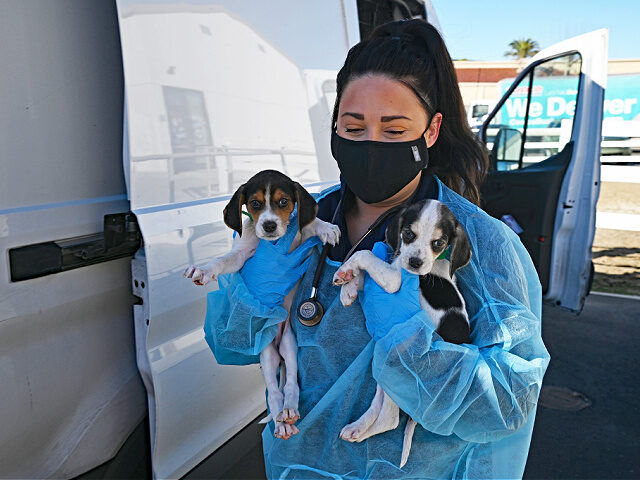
(374, 134)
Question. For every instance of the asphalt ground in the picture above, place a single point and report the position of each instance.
(594, 354)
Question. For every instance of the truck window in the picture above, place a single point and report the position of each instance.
(536, 120)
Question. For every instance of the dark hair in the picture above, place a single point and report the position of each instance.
(414, 53)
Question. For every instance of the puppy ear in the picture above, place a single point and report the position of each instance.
(232, 213)
(307, 206)
(460, 250)
(392, 233)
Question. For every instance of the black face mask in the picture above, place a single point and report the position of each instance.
(375, 171)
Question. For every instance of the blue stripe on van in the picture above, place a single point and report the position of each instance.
(72, 203)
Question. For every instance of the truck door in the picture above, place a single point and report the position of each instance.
(215, 92)
(544, 141)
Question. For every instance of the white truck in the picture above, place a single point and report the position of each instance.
(126, 125)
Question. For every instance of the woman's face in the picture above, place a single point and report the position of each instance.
(374, 107)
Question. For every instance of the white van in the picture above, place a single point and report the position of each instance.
(126, 125)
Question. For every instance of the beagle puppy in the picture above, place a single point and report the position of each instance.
(419, 236)
(270, 198)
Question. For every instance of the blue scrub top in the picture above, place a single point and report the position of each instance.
(475, 404)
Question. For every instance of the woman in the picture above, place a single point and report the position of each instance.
(475, 404)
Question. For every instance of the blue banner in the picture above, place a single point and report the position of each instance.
(554, 98)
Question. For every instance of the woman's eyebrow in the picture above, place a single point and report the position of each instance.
(393, 117)
(387, 118)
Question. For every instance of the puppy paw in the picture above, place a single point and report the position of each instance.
(288, 415)
(202, 275)
(198, 275)
(285, 430)
(351, 433)
(328, 233)
(345, 274)
(348, 294)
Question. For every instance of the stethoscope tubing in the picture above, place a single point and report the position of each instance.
(314, 309)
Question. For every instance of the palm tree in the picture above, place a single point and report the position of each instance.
(522, 48)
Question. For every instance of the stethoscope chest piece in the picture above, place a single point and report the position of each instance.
(310, 312)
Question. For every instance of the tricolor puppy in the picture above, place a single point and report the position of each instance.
(419, 236)
(270, 197)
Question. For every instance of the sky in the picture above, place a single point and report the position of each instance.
(482, 29)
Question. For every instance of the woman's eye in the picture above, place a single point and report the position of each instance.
(283, 202)
(255, 204)
(438, 244)
(351, 130)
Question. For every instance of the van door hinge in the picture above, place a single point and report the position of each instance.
(120, 238)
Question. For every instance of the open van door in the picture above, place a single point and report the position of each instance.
(215, 91)
(544, 141)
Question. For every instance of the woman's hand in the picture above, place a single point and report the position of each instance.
(272, 271)
(383, 310)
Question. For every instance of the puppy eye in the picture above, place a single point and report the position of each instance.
(408, 235)
(255, 204)
(283, 202)
(438, 244)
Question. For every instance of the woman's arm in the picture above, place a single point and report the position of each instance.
(480, 392)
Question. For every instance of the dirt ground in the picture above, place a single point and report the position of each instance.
(616, 253)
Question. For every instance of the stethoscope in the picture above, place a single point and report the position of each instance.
(311, 311)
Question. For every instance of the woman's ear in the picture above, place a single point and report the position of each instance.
(431, 135)
(392, 233)
(307, 206)
(460, 250)
(232, 213)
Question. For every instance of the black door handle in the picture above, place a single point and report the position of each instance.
(121, 238)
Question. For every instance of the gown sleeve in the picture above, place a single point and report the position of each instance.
(237, 326)
(482, 391)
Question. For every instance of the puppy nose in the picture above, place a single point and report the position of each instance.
(269, 226)
(415, 262)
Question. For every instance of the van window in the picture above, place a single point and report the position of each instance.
(536, 120)
(217, 92)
